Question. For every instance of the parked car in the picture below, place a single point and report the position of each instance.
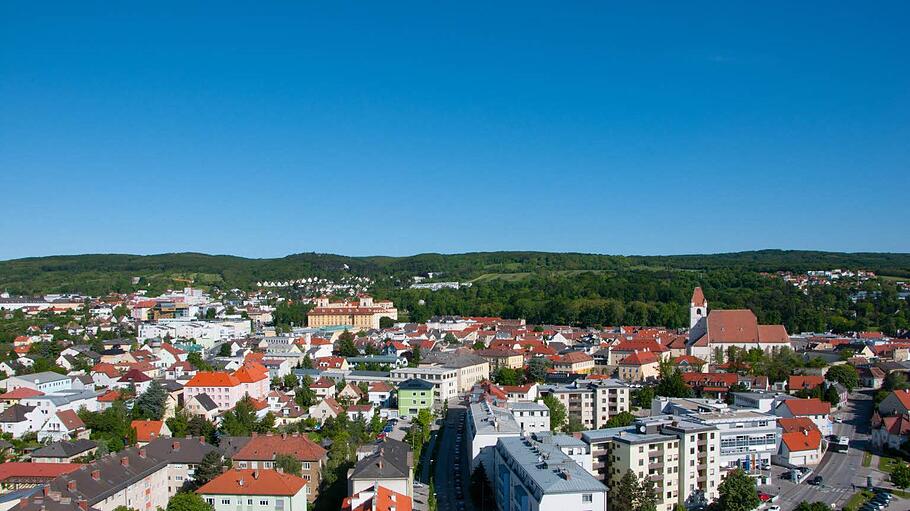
(817, 481)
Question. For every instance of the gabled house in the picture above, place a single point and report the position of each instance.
(63, 425)
(149, 430)
(380, 394)
(326, 408)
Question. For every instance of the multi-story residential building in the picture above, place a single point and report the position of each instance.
(641, 365)
(415, 395)
(142, 478)
(362, 314)
(47, 382)
(486, 424)
(532, 417)
(533, 475)
(255, 490)
(592, 402)
(470, 368)
(391, 465)
(577, 362)
(499, 358)
(680, 456)
(226, 389)
(815, 409)
(748, 440)
(445, 381)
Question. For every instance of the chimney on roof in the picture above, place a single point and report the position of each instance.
(47, 490)
(202, 439)
(142, 452)
(83, 504)
(175, 446)
(255, 474)
(125, 461)
(71, 485)
(96, 475)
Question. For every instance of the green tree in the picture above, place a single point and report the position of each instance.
(537, 369)
(507, 376)
(345, 346)
(151, 404)
(225, 350)
(178, 424)
(673, 385)
(831, 395)
(574, 425)
(209, 468)
(289, 464)
(844, 374)
(450, 338)
(642, 397)
(386, 322)
(900, 476)
(242, 421)
(621, 419)
(557, 412)
(187, 502)
(815, 506)
(289, 381)
(195, 358)
(737, 492)
(623, 493)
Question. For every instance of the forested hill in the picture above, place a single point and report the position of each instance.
(101, 273)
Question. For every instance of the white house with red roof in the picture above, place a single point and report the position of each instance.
(63, 425)
(815, 409)
(895, 403)
(379, 394)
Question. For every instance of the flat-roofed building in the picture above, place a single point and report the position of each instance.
(486, 424)
(445, 381)
(680, 456)
(532, 475)
(592, 402)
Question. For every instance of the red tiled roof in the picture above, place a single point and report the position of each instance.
(789, 425)
(804, 440)
(109, 396)
(213, 379)
(812, 406)
(383, 499)
(265, 448)
(712, 379)
(147, 430)
(15, 469)
(904, 397)
(639, 358)
(381, 386)
(698, 298)
(575, 357)
(796, 382)
(21, 393)
(253, 482)
(70, 420)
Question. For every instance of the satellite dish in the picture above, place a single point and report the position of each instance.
(641, 428)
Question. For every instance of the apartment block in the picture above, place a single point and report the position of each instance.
(592, 402)
(680, 456)
(534, 475)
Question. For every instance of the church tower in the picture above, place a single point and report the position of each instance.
(698, 307)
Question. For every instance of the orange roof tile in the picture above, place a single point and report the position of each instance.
(253, 482)
(812, 406)
(147, 430)
(804, 440)
(213, 379)
(21, 393)
(265, 448)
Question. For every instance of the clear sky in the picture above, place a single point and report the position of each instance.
(268, 128)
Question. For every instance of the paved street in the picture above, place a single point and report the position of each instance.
(841, 471)
(447, 497)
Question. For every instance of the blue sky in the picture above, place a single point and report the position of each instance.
(268, 128)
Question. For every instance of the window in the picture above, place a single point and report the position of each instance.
(249, 502)
(263, 502)
(226, 501)
(587, 498)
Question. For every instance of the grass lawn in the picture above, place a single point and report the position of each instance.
(886, 464)
(867, 459)
(857, 500)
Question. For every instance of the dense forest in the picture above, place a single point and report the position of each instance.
(564, 288)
